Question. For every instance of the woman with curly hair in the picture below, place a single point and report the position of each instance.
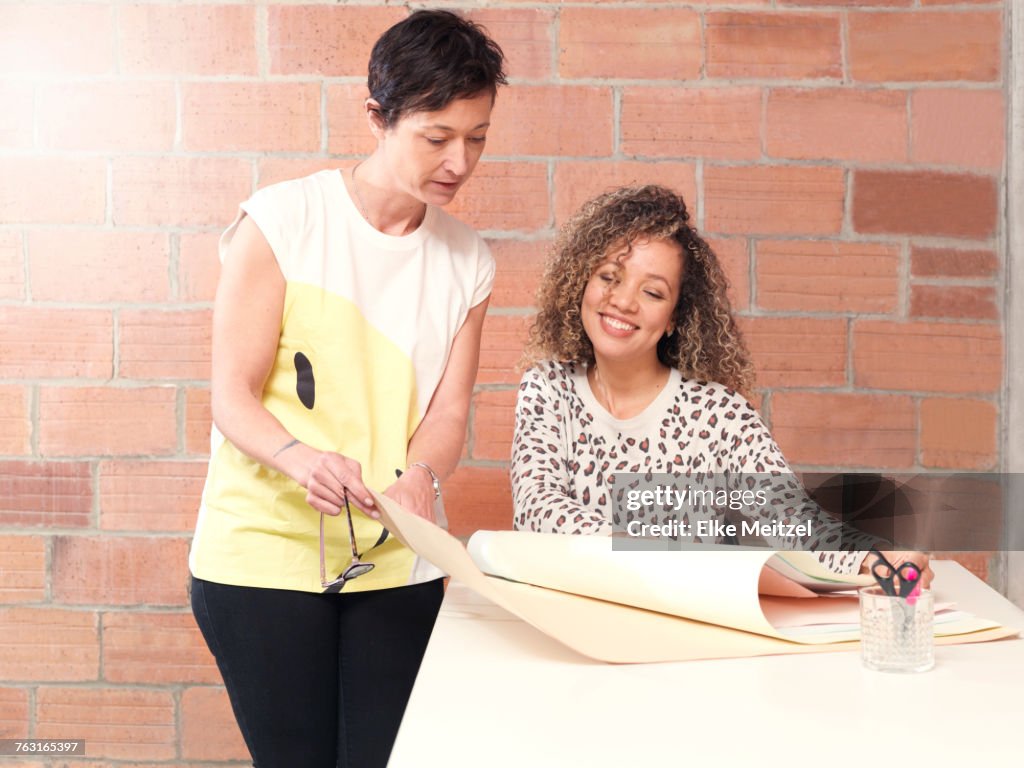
(637, 366)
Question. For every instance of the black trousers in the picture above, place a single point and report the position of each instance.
(317, 681)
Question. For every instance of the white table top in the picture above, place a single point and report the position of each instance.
(495, 692)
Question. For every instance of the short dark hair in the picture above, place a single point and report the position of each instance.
(430, 59)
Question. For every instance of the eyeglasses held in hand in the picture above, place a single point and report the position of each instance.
(356, 567)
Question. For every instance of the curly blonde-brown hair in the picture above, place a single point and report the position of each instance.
(707, 344)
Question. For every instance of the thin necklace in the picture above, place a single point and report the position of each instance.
(359, 198)
(602, 390)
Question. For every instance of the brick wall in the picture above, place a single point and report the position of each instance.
(845, 158)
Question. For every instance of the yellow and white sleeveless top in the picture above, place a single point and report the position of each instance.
(368, 324)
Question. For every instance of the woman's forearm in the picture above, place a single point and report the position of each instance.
(438, 442)
(257, 433)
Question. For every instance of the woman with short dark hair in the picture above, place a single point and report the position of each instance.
(346, 339)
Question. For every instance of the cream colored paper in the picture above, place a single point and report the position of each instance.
(713, 586)
(721, 586)
(599, 629)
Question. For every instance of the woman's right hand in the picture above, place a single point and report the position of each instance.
(329, 476)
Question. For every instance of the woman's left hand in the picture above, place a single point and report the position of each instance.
(897, 558)
(414, 490)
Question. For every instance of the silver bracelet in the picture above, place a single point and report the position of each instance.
(433, 477)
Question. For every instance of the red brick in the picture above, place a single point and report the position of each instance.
(478, 498)
(505, 196)
(577, 182)
(66, 39)
(501, 348)
(187, 39)
(921, 45)
(100, 421)
(117, 116)
(179, 191)
(796, 351)
(51, 190)
(692, 122)
(546, 120)
(15, 420)
(493, 421)
(55, 343)
(70, 265)
(123, 723)
(958, 127)
(734, 256)
(845, 430)
(348, 130)
(22, 571)
(519, 268)
(155, 649)
(525, 36)
(208, 727)
(198, 266)
(51, 494)
(119, 571)
(150, 495)
(14, 713)
(12, 266)
(646, 43)
(16, 130)
(165, 345)
(837, 124)
(848, 3)
(773, 200)
(198, 418)
(947, 262)
(48, 644)
(924, 203)
(321, 40)
(274, 169)
(776, 45)
(258, 117)
(954, 301)
(959, 434)
(928, 357)
(823, 276)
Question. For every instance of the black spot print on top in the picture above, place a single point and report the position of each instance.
(305, 385)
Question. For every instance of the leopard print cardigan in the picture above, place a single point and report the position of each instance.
(567, 447)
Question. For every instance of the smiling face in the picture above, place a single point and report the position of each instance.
(432, 154)
(630, 299)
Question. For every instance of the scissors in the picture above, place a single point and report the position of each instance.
(886, 574)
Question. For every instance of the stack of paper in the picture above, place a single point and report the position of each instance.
(788, 595)
(630, 607)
